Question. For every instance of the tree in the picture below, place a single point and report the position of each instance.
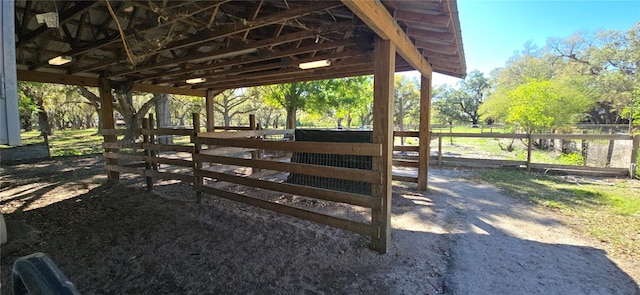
(470, 95)
(233, 102)
(340, 99)
(292, 97)
(131, 114)
(36, 92)
(446, 109)
(540, 105)
(406, 96)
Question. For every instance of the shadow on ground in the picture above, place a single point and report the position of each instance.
(119, 239)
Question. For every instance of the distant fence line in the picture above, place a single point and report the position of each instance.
(628, 163)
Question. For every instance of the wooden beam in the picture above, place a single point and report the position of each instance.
(44, 77)
(383, 134)
(65, 16)
(424, 135)
(108, 122)
(375, 15)
(437, 20)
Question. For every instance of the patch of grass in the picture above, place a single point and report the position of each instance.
(608, 211)
(75, 142)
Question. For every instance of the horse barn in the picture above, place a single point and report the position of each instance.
(164, 46)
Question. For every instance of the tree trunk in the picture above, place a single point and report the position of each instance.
(43, 118)
(291, 119)
(163, 116)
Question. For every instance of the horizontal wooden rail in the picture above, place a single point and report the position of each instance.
(406, 133)
(135, 157)
(357, 227)
(307, 169)
(294, 189)
(405, 148)
(233, 128)
(174, 162)
(167, 131)
(619, 171)
(247, 133)
(335, 148)
(167, 147)
(479, 135)
(121, 145)
(583, 136)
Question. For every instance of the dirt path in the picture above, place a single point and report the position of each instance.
(460, 238)
(499, 245)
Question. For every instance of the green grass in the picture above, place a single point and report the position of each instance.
(68, 142)
(608, 211)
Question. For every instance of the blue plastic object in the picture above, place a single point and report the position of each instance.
(37, 274)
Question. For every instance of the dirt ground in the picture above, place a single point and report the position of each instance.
(458, 238)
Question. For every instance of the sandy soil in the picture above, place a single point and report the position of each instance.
(459, 238)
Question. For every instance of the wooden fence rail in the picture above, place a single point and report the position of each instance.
(439, 159)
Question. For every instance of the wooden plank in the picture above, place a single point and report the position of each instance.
(122, 169)
(168, 147)
(167, 131)
(113, 131)
(424, 150)
(405, 163)
(174, 162)
(135, 157)
(121, 145)
(472, 162)
(357, 227)
(406, 148)
(232, 128)
(406, 134)
(334, 148)
(479, 135)
(403, 178)
(377, 17)
(209, 109)
(583, 136)
(169, 175)
(248, 133)
(307, 169)
(633, 163)
(383, 83)
(300, 190)
(620, 171)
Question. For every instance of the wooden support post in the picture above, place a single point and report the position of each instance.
(147, 153)
(152, 139)
(529, 151)
(439, 149)
(254, 154)
(634, 156)
(108, 122)
(384, 66)
(197, 164)
(209, 109)
(424, 135)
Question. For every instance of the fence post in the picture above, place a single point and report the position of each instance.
(440, 149)
(254, 154)
(529, 150)
(152, 139)
(147, 154)
(197, 165)
(634, 156)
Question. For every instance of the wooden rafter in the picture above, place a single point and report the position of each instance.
(380, 21)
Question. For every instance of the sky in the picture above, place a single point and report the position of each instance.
(493, 30)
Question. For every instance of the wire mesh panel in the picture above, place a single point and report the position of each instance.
(346, 161)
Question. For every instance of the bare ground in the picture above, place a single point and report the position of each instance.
(459, 238)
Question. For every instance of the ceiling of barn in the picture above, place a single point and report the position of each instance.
(228, 43)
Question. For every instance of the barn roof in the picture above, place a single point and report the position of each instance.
(228, 43)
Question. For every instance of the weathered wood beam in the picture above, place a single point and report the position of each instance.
(375, 15)
(424, 135)
(108, 121)
(242, 60)
(431, 19)
(383, 83)
(436, 48)
(283, 39)
(205, 36)
(78, 8)
(44, 77)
